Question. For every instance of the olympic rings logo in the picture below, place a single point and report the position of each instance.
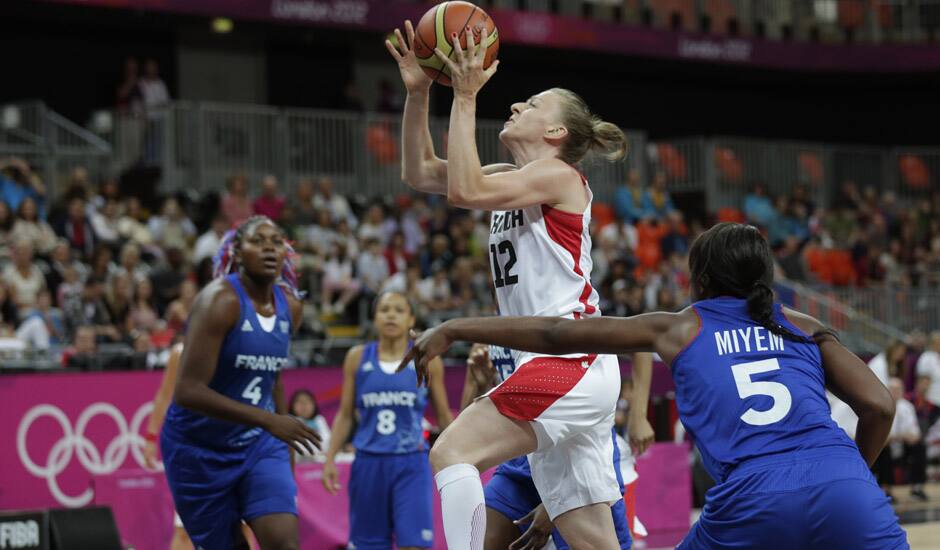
(74, 442)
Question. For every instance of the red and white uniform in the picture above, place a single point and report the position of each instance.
(540, 259)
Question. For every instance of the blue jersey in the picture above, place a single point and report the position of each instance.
(248, 365)
(744, 392)
(390, 407)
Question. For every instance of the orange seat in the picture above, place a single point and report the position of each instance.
(811, 167)
(731, 214)
(729, 165)
(381, 143)
(603, 214)
(914, 171)
(671, 161)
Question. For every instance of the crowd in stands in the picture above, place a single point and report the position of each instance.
(866, 238)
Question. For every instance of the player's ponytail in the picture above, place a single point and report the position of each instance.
(610, 139)
(733, 259)
(586, 131)
(225, 260)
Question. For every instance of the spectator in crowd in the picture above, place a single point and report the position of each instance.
(889, 363)
(42, 326)
(59, 260)
(270, 203)
(105, 224)
(396, 256)
(7, 221)
(656, 200)
(374, 225)
(168, 277)
(235, 204)
(390, 98)
(905, 447)
(676, 237)
(757, 206)
(131, 225)
(101, 264)
(622, 235)
(83, 352)
(130, 263)
(143, 313)
(405, 282)
(108, 190)
(9, 314)
(304, 406)
(435, 295)
(128, 96)
(172, 229)
(791, 259)
(371, 267)
(23, 276)
(18, 181)
(119, 298)
(71, 286)
(88, 308)
(153, 90)
(30, 227)
(305, 213)
(177, 313)
(928, 369)
(208, 243)
(344, 235)
(628, 199)
(338, 286)
(437, 256)
(77, 230)
(334, 203)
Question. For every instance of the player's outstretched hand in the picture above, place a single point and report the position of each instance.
(481, 368)
(641, 435)
(412, 74)
(331, 478)
(467, 74)
(428, 345)
(540, 529)
(295, 433)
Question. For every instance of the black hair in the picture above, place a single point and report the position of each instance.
(733, 259)
(296, 395)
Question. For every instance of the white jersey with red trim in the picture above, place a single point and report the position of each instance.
(540, 259)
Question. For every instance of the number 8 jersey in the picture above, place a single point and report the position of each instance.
(540, 259)
(390, 406)
(744, 392)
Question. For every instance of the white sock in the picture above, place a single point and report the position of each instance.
(463, 509)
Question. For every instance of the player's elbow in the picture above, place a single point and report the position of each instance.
(880, 406)
(186, 396)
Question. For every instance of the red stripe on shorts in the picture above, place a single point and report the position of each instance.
(538, 384)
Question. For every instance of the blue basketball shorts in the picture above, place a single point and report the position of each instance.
(214, 491)
(515, 496)
(391, 495)
(824, 499)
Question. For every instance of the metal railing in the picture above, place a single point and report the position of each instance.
(907, 309)
(49, 142)
(861, 330)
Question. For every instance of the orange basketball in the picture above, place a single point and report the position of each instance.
(435, 28)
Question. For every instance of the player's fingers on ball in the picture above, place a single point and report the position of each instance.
(410, 32)
(471, 43)
(481, 51)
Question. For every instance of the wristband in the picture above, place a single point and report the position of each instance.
(150, 436)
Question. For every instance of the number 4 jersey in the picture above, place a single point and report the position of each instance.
(390, 406)
(540, 259)
(744, 392)
(252, 354)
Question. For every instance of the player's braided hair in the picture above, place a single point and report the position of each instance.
(586, 131)
(733, 259)
(225, 260)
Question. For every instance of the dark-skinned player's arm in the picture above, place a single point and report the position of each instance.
(547, 335)
(343, 421)
(639, 429)
(438, 394)
(481, 375)
(850, 379)
(215, 312)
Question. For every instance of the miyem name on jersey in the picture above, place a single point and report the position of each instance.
(748, 339)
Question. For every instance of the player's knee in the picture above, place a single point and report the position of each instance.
(443, 455)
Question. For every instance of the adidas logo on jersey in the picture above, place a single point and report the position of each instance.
(246, 326)
(368, 367)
